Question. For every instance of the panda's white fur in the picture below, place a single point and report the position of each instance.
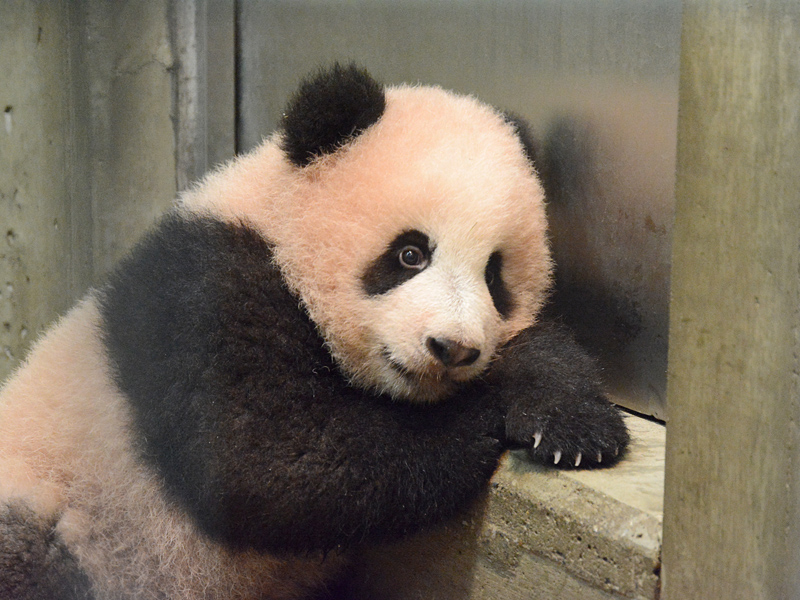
(435, 162)
(459, 174)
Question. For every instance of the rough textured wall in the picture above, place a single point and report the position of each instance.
(35, 208)
(86, 150)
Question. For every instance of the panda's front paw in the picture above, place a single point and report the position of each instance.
(579, 434)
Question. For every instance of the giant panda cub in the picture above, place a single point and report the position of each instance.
(328, 342)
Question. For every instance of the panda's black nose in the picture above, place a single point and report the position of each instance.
(451, 353)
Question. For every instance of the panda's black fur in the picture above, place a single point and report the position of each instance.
(250, 425)
(327, 110)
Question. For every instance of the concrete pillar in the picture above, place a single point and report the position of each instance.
(733, 453)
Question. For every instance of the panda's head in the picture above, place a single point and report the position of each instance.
(409, 220)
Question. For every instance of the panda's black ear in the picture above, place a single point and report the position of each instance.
(330, 108)
(525, 135)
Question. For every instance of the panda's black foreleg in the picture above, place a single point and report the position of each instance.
(35, 564)
(555, 407)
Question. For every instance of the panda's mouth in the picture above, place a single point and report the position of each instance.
(430, 382)
(400, 368)
(430, 376)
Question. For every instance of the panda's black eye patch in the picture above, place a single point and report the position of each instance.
(408, 254)
(501, 297)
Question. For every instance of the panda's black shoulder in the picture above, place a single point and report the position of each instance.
(193, 286)
(330, 108)
(180, 317)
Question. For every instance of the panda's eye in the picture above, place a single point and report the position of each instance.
(406, 256)
(412, 257)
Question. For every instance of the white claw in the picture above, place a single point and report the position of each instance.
(616, 450)
(599, 457)
(578, 459)
(556, 457)
(537, 439)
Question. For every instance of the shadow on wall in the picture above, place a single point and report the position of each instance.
(606, 321)
(608, 250)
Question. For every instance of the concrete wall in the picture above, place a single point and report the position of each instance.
(36, 217)
(597, 81)
(87, 154)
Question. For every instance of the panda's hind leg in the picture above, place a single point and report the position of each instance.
(35, 564)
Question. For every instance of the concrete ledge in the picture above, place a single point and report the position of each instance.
(555, 535)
